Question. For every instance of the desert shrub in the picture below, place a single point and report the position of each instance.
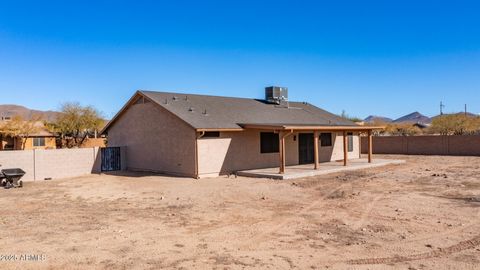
(396, 129)
(455, 124)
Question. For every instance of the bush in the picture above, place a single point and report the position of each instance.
(455, 124)
(394, 129)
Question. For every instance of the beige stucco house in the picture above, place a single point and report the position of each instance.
(41, 138)
(203, 136)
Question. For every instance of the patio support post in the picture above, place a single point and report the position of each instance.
(315, 146)
(345, 150)
(281, 148)
(370, 144)
(359, 145)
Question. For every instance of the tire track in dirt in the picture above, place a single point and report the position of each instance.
(365, 214)
(461, 246)
(256, 239)
(447, 232)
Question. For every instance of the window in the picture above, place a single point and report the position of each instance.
(38, 141)
(211, 134)
(325, 139)
(350, 142)
(269, 142)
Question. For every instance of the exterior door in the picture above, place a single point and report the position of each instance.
(305, 148)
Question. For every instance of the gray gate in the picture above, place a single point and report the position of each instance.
(111, 159)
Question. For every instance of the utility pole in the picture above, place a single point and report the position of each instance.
(465, 109)
(441, 107)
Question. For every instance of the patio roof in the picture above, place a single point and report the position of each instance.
(310, 127)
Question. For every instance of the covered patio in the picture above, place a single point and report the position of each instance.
(285, 130)
(305, 170)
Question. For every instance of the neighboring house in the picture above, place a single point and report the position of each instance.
(41, 139)
(203, 136)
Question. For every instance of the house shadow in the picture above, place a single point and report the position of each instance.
(142, 174)
(125, 172)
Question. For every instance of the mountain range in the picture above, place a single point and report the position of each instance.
(10, 110)
(376, 118)
(412, 118)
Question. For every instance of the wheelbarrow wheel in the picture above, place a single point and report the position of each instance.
(20, 183)
(8, 185)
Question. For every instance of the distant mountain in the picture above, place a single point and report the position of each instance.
(9, 111)
(376, 118)
(414, 118)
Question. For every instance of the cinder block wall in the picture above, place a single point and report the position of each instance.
(55, 163)
(19, 159)
(457, 145)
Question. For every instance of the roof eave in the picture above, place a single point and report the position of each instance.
(312, 127)
(218, 129)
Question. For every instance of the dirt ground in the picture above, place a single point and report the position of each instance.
(424, 214)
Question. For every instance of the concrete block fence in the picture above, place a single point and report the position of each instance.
(456, 145)
(54, 163)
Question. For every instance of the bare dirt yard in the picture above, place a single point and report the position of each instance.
(424, 214)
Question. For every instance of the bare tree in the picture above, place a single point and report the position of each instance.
(20, 128)
(77, 123)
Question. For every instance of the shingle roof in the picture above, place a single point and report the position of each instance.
(215, 112)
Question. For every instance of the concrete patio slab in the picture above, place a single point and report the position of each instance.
(306, 170)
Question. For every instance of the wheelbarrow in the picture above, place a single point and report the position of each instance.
(11, 177)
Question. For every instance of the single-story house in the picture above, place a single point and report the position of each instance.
(41, 138)
(205, 136)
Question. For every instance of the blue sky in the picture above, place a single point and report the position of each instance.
(365, 57)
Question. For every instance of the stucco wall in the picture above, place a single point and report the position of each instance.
(50, 143)
(155, 140)
(240, 150)
(337, 152)
(94, 142)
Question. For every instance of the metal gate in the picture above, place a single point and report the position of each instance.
(111, 159)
